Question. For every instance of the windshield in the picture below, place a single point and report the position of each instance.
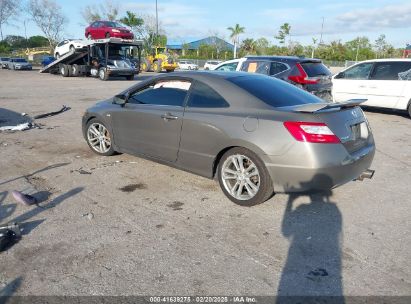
(315, 69)
(4, 59)
(112, 24)
(274, 92)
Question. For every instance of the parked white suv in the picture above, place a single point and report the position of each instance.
(211, 64)
(187, 65)
(230, 65)
(385, 83)
(68, 45)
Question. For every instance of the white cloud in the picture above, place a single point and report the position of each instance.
(391, 16)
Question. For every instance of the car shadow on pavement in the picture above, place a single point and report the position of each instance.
(313, 266)
(7, 291)
(22, 220)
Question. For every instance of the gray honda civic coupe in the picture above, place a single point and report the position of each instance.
(257, 135)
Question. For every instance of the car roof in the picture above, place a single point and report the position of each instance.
(387, 59)
(284, 58)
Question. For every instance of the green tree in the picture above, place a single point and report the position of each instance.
(15, 42)
(381, 46)
(261, 46)
(133, 22)
(248, 46)
(37, 41)
(283, 33)
(235, 36)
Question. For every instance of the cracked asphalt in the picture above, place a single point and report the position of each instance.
(123, 225)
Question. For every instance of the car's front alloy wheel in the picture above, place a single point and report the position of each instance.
(244, 178)
(98, 138)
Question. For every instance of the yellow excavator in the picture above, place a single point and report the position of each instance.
(158, 61)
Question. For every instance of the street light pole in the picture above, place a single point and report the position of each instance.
(156, 20)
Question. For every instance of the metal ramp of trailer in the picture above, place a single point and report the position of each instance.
(68, 58)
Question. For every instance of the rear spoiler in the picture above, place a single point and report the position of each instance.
(314, 107)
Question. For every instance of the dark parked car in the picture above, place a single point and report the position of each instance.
(107, 29)
(46, 60)
(306, 73)
(19, 64)
(255, 133)
(4, 62)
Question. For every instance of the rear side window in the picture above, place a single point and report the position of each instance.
(254, 66)
(277, 67)
(165, 93)
(202, 96)
(391, 71)
(274, 92)
(315, 69)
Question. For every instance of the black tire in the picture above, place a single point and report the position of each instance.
(130, 77)
(145, 65)
(265, 190)
(111, 151)
(107, 35)
(102, 74)
(70, 70)
(169, 71)
(57, 55)
(158, 68)
(64, 70)
(72, 49)
(75, 70)
(89, 37)
(206, 69)
(409, 109)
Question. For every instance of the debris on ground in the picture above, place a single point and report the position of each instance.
(315, 275)
(63, 109)
(9, 234)
(25, 199)
(14, 121)
(89, 215)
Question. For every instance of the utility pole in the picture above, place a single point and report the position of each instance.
(156, 20)
(322, 28)
(358, 46)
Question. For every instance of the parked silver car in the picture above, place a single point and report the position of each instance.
(256, 134)
(4, 62)
(19, 64)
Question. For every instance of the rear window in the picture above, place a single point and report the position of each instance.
(315, 69)
(19, 60)
(395, 70)
(274, 92)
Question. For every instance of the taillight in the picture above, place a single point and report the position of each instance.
(302, 77)
(312, 132)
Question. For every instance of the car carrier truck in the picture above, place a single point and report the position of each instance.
(100, 58)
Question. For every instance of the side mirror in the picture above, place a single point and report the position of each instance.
(340, 75)
(120, 99)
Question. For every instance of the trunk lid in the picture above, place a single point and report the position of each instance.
(346, 120)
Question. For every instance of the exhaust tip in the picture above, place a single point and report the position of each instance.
(366, 174)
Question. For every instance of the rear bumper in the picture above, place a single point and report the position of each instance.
(325, 167)
(24, 68)
(122, 35)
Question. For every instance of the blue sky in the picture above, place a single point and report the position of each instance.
(185, 20)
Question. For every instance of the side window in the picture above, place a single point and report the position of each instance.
(202, 96)
(165, 93)
(277, 67)
(361, 71)
(228, 67)
(94, 24)
(259, 67)
(61, 43)
(395, 70)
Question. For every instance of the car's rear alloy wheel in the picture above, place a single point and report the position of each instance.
(98, 138)
(244, 178)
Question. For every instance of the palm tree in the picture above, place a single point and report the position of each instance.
(132, 21)
(249, 46)
(235, 33)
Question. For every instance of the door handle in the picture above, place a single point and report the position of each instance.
(169, 116)
(361, 86)
(372, 87)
